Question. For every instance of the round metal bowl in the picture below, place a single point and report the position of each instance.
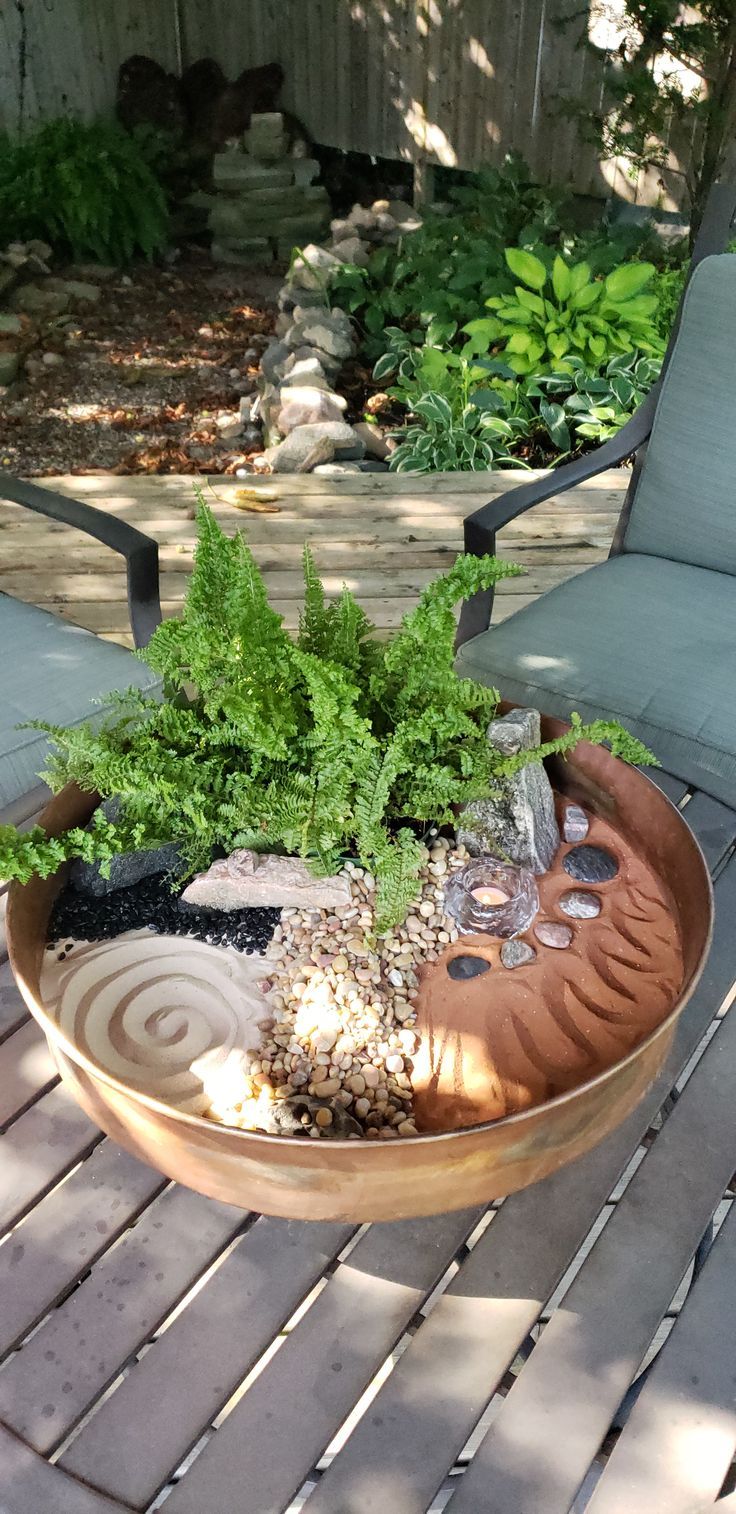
(424, 1174)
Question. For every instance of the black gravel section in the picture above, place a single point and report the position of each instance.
(153, 903)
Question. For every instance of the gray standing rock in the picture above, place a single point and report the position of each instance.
(128, 868)
(519, 821)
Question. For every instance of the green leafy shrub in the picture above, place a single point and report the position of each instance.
(597, 405)
(325, 746)
(566, 313)
(475, 414)
(84, 187)
(438, 274)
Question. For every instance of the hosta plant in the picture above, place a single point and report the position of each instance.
(598, 404)
(332, 745)
(558, 314)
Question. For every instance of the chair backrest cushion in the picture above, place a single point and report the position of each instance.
(685, 505)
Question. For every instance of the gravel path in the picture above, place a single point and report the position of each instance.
(140, 376)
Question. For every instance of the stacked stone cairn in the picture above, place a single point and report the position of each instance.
(299, 406)
(266, 198)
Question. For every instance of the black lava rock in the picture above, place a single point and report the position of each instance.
(590, 864)
(467, 967)
(155, 904)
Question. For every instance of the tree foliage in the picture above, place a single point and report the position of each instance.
(675, 63)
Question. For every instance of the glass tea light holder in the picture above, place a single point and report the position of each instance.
(492, 898)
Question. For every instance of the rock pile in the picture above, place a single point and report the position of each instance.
(265, 197)
(299, 407)
(37, 306)
(364, 229)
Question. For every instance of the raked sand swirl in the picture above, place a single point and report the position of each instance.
(169, 1016)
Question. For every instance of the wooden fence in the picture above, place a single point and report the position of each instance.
(457, 82)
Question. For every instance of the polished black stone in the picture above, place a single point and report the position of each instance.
(467, 967)
(590, 864)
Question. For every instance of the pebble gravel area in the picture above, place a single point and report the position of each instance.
(134, 383)
(153, 903)
(342, 1006)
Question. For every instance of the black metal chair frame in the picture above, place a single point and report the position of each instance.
(140, 551)
(481, 527)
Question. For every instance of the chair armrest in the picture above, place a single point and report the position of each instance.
(140, 551)
(480, 528)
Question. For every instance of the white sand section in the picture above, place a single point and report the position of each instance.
(168, 1015)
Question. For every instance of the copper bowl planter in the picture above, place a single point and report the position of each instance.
(425, 1174)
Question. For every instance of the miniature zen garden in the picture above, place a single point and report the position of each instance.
(330, 891)
(343, 855)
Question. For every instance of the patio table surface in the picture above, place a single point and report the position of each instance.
(160, 1349)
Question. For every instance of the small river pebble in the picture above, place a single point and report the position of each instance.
(516, 953)
(552, 934)
(580, 904)
(467, 967)
(575, 824)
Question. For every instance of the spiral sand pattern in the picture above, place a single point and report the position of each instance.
(169, 1016)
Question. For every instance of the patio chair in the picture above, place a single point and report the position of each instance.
(649, 635)
(53, 670)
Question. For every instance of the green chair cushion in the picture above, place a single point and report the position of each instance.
(639, 638)
(685, 506)
(51, 671)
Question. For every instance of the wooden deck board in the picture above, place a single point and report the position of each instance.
(385, 536)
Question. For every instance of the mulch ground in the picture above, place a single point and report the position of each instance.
(143, 375)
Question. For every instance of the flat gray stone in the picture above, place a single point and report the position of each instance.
(235, 170)
(517, 953)
(552, 934)
(303, 406)
(248, 879)
(125, 870)
(575, 823)
(320, 332)
(273, 361)
(313, 267)
(580, 904)
(295, 448)
(518, 824)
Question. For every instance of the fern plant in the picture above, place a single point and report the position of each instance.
(332, 745)
(86, 188)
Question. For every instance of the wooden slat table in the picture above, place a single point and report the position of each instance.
(161, 1350)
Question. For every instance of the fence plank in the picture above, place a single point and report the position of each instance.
(462, 83)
